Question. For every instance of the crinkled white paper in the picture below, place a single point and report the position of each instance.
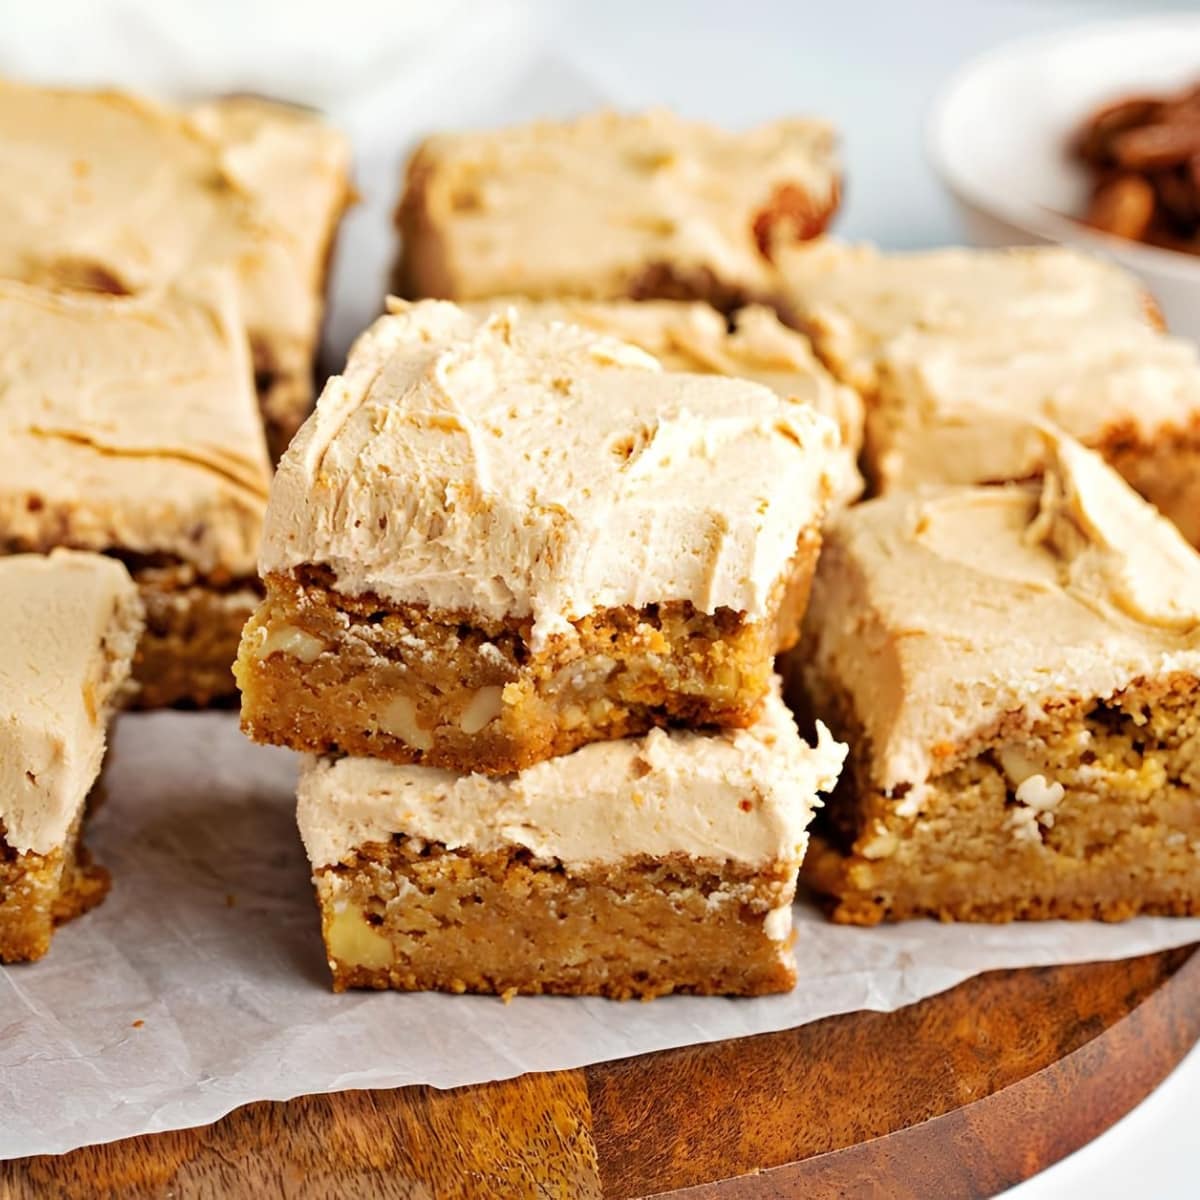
(200, 984)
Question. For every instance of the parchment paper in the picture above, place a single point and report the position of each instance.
(210, 939)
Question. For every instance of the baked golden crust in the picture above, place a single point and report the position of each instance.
(417, 916)
(327, 673)
(41, 891)
(1114, 836)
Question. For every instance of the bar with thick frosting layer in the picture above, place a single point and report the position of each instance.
(129, 424)
(119, 194)
(509, 467)
(69, 623)
(938, 614)
(613, 205)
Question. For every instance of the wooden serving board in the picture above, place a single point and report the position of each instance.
(963, 1094)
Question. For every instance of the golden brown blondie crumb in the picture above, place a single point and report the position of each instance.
(41, 891)
(1113, 835)
(416, 916)
(328, 673)
(186, 655)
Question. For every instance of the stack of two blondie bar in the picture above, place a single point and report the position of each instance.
(524, 589)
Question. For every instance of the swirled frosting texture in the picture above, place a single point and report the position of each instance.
(694, 337)
(530, 469)
(939, 612)
(130, 423)
(743, 796)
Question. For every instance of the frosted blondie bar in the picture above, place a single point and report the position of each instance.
(613, 206)
(68, 626)
(1017, 669)
(960, 353)
(498, 539)
(128, 426)
(665, 863)
(120, 195)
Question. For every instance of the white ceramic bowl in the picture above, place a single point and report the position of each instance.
(998, 134)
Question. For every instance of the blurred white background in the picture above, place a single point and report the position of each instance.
(390, 70)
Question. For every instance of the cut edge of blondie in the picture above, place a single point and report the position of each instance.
(416, 916)
(185, 657)
(39, 892)
(1086, 813)
(327, 673)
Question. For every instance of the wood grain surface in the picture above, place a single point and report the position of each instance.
(963, 1094)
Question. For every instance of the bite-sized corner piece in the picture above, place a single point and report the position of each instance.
(613, 206)
(853, 300)
(128, 426)
(961, 410)
(665, 863)
(68, 626)
(242, 183)
(497, 539)
(752, 343)
(1017, 669)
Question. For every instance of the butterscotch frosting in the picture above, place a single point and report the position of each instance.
(694, 337)
(68, 627)
(963, 408)
(744, 796)
(130, 423)
(515, 468)
(119, 194)
(937, 613)
(855, 300)
(583, 208)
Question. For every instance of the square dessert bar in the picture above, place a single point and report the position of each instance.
(128, 426)
(497, 539)
(963, 409)
(613, 206)
(751, 343)
(960, 352)
(854, 300)
(659, 864)
(68, 626)
(1017, 669)
(121, 195)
